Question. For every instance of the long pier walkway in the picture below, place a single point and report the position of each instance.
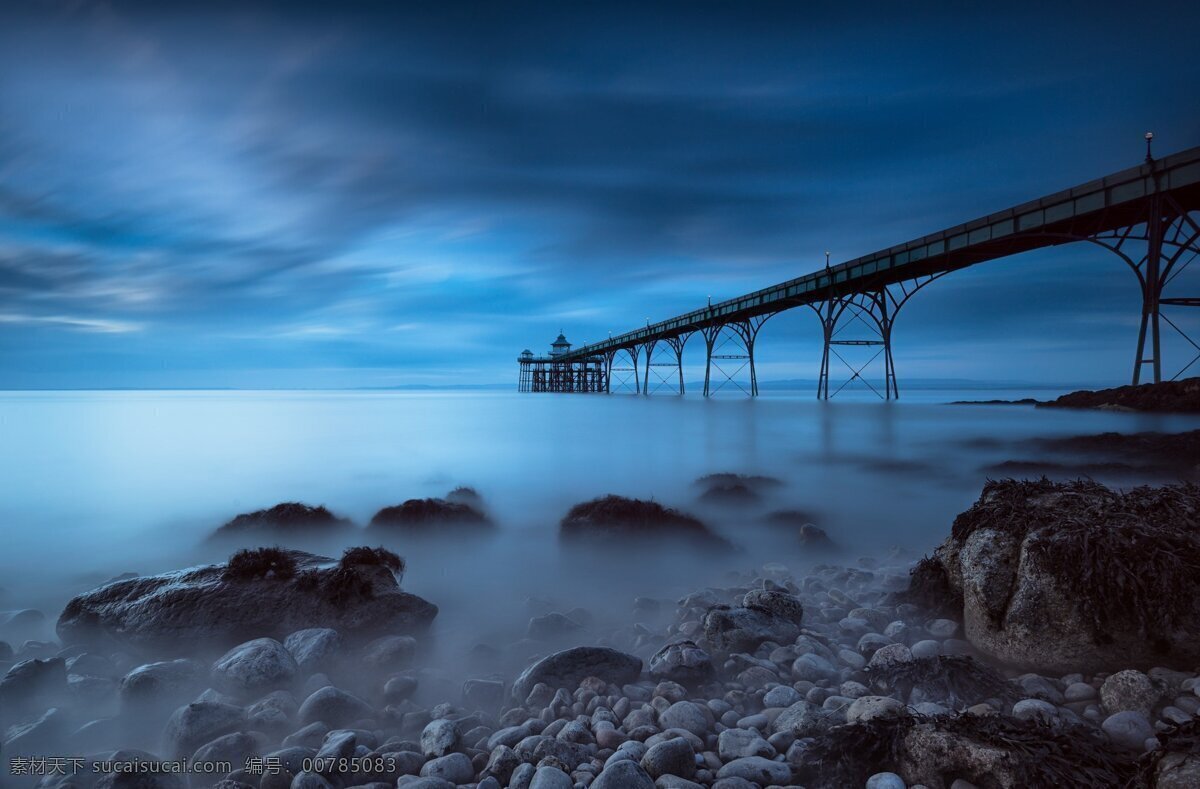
(1146, 215)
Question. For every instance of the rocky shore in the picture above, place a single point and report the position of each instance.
(308, 673)
(1167, 397)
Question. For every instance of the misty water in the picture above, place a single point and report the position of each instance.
(102, 483)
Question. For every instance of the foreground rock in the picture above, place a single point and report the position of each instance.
(287, 518)
(1168, 396)
(261, 593)
(1067, 577)
(617, 516)
(855, 688)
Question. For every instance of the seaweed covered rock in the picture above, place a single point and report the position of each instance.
(1062, 577)
(727, 488)
(1165, 456)
(287, 518)
(955, 681)
(264, 593)
(460, 510)
(810, 536)
(990, 751)
(814, 538)
(1167, 396)
(464, 494)
(617, 516)
(1175, 763)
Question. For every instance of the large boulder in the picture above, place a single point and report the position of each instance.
(268, 592)
(287, 518)
(565, 669)
(616, 516)
(1064, 577)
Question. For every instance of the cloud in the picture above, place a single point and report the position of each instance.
(270, 181)
(75, 323)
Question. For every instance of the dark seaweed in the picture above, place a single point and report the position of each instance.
(372, 556)
(1183, 738)
(958, 680)
(1132, 556)
(1063, 755)
(252, 564)
(929, 588)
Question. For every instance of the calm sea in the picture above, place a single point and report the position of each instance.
(99, 483)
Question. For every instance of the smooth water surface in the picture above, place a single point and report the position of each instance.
(99, 483)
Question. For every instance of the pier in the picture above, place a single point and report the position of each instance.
(1146, 215)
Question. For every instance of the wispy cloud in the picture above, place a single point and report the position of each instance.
(74, 323)
(411, 186)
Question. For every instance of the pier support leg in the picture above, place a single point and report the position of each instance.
(863, 320)
(663, 356)
(733, 344)
(1152, 287)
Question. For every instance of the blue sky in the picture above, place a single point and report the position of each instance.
(258, 195)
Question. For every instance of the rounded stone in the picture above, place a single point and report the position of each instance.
(871, 707)
(672, 757)
(942, 628)
(684, 715)
(1034, 709)
(781, 696)
(1129, 691)
(924, 649)
(623, 774)
(1128, 729)
(253, 667)
(1079, 691)
(756, 769)
(333, 707)
(455, 768)
(548, 777)
(886, 781)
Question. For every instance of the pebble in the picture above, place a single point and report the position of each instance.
(1175, 715)
(886, 781)
(680, 722)
(1034, 709)
(871, 707)
(623, 774)
(781, 696)
(942, 628)
(551, 778)
(757, 770)
(1129, 691)
(1128, 729)
(685, 715)
(673, 757)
